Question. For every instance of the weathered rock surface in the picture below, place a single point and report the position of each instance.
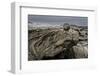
(81, 51)
(58, 43)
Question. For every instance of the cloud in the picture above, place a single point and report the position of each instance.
(58, 19)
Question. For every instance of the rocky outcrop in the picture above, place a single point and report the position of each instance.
(68, 42)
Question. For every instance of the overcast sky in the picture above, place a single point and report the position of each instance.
(58, 19)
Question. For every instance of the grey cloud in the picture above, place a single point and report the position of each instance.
(58, 19)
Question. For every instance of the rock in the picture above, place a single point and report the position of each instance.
(80, 51)
(66, 26)
(68, 42)
(74, 34)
